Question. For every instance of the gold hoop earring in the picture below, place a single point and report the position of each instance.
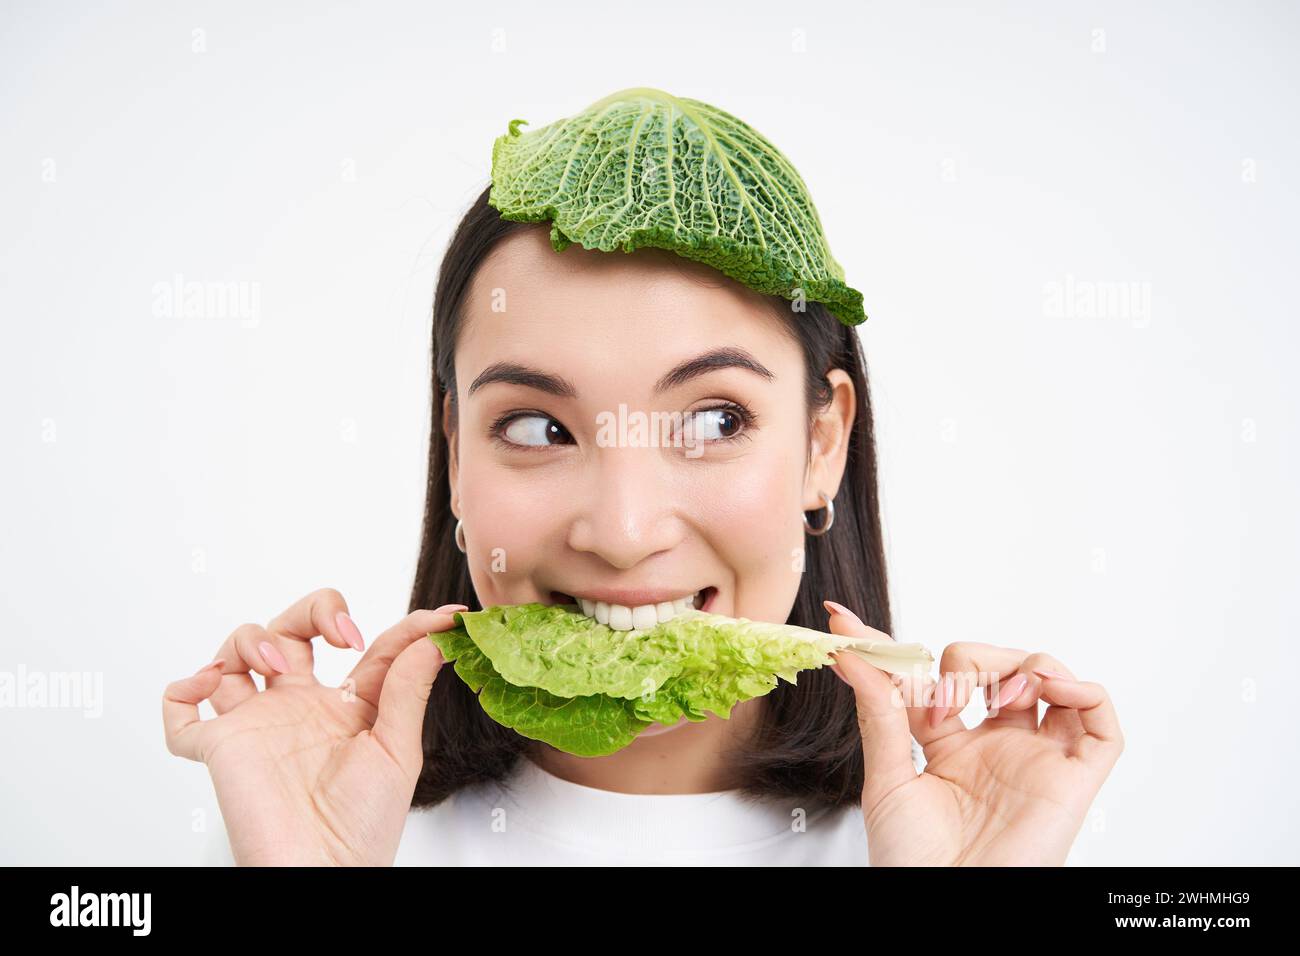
(460, 536)
(830, 517)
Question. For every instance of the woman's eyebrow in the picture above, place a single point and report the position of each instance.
(729, 357)
(512, 373)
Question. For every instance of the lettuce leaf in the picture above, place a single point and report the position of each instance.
(644, 168)
(556, 675)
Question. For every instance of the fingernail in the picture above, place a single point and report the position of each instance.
(841, 609)
(942, 700)
(348, 628)
(835, 669)
(1048, 675)
(1011, 691)
(450, 609)
(273, 657)
(215, 665)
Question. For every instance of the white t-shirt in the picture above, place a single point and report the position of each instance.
(537, 818)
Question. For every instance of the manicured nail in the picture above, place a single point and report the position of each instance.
(841, 609)
(942, 701)
(1011, 691)
(215, 665)
(273, 657)
(835, 669)
(348, 628)
(1048, 675)
(450, 609)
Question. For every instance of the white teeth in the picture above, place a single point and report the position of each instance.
(623, 618)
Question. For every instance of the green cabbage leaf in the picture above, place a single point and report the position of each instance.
(554, 674)
(644, 168)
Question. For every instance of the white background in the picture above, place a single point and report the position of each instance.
(1118, 490)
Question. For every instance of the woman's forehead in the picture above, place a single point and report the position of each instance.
(527, 298)
(526, 254)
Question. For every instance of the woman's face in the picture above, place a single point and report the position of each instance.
(558, 501)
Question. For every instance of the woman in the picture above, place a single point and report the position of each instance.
(768, 511)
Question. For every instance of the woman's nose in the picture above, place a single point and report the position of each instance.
(627, 509)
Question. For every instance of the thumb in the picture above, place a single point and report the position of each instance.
(882, 717)
(399, 725)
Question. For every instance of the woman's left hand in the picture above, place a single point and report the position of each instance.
(1011, 791)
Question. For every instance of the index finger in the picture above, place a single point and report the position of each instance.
(368, 675)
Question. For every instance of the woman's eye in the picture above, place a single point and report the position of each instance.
(713, 424)
(535, 430)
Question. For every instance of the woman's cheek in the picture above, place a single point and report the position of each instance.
(506, 531)
(755, 527)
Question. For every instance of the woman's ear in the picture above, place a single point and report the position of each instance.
(449, 436)
(830, 433)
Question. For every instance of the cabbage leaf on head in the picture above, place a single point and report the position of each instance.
(644, 168)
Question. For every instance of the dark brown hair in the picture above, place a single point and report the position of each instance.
(807, 743)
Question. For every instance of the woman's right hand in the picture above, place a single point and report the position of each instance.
(307, 774)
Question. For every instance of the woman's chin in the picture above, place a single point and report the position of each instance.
(654, 730)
